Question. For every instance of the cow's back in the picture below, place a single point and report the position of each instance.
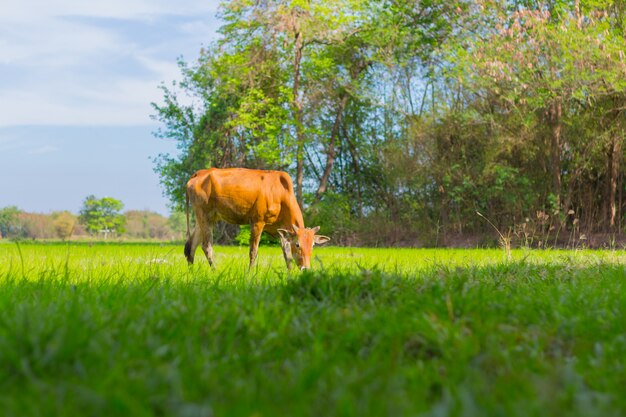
(242, 196)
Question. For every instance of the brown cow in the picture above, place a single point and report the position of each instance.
(262, 199)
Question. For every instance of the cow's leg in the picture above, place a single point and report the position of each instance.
(192, 244)
(255, 237)
(286, 246)
(207, 244)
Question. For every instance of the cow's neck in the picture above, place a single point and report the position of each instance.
(296, 216)
(297, 219)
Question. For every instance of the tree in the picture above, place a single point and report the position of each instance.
(550, 66)
(64, 224)
(145, 224)
(102, 215)
(297, 34)
(10, 224)
(177, 223)
(416, 114)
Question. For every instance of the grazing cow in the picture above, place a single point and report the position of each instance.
(262, 199)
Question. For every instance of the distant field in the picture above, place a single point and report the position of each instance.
(121, 329)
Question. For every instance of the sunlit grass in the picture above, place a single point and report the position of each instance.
(131, 330)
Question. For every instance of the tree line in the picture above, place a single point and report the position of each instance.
(400, 121)
(99, 218)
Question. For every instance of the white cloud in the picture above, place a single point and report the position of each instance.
(55, 43)
(119, 9)
(73, 62)
(125, 103)
(9, 144)
(163, 69)
(43, 149)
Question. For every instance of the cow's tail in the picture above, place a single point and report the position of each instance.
(187, 210)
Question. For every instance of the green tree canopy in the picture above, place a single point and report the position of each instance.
(102, 214)
(405, 118)
(10, 224)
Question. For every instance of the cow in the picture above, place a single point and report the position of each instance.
(262, 199)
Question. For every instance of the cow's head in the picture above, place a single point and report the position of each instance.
(301, 241)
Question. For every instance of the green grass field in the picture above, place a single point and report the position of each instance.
(130, 330)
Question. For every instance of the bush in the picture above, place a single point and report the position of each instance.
(333, 215)
(243, 237)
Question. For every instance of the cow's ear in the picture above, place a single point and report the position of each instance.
(284, 234)
(316, 229)
(319, 239)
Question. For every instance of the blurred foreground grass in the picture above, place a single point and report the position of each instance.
(107, 330)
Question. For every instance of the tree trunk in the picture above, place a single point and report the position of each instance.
(442, 226)
(620, 187)
(297, 108)
(577, 14)
(330, 151)
(357, 173)
(554, 115)
(614, 163)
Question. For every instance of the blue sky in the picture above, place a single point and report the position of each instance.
(76, 82)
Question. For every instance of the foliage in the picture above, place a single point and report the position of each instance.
(144, 224)
(130, 329)
(17, 224)
(10, 225)
(333, 215)
(243, 237)
(177, 224)
(417, 114)
(543, 71)
(64, 224)
(102, 215)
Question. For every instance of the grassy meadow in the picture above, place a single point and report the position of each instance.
(130, 330)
